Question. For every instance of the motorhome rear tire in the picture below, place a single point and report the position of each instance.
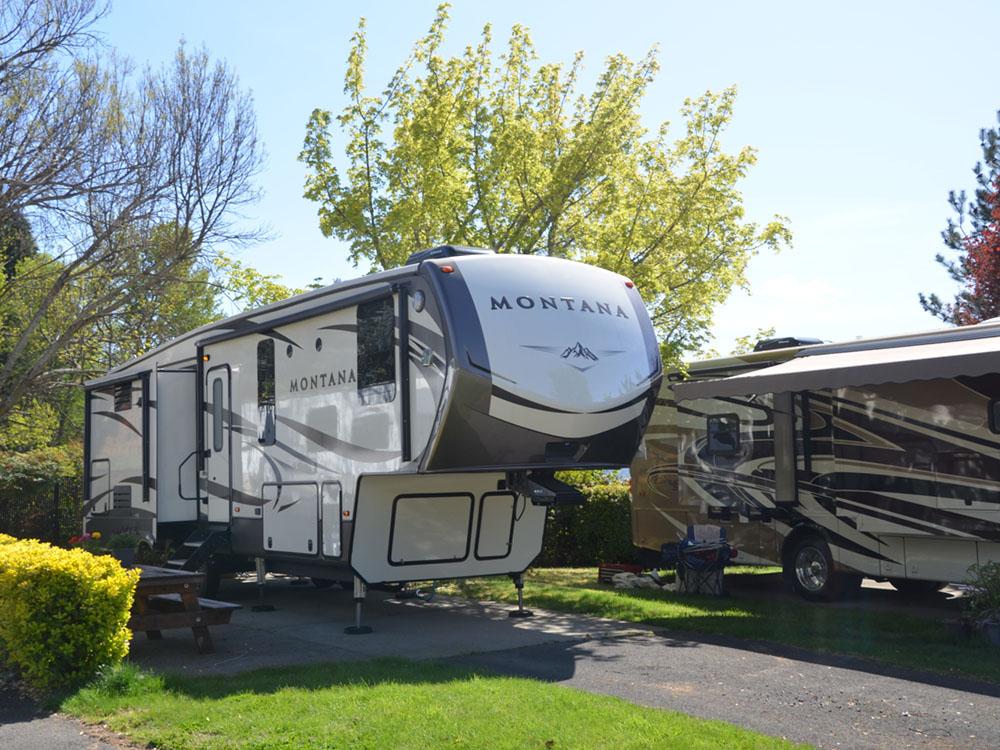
(912, 588)
(812, 572)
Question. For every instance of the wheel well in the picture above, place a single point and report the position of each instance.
(801, 531)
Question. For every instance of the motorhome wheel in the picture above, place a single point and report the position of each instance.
(812, 574)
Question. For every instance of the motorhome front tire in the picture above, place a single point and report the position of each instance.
(812, 573)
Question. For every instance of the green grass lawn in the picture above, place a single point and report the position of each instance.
(387, 703)
(893, 637)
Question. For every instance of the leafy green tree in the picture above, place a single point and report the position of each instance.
(507, 153)
(245, 287)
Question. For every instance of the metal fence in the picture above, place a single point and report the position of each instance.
(50, 511)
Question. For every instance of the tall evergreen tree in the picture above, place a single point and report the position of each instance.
(974, 236)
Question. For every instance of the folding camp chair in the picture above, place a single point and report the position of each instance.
(702, 557)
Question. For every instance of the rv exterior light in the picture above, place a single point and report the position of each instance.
(204, 358)
(447, 269)
(418, 300)
(629, 284)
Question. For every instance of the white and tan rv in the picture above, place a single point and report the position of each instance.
(403, 426)
(876, 458)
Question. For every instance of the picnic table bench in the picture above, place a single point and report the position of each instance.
(166, 598)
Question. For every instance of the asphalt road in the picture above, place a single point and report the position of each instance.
(829, 702)
(24, 726)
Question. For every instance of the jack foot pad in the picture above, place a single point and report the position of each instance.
(520, 613)
(358, 630)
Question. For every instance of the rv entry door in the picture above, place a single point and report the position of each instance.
(218, 443)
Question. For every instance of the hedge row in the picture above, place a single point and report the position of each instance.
(598, 531)
(63, 613)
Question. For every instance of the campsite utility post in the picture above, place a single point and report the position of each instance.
(518, 579)
(360, 589)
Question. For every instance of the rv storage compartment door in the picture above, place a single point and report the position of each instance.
(430, 528)
(291, 518)
(332, 495)
(495, 526)
(419, 527)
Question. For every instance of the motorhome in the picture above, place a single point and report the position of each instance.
(876, 458)
(403, 426)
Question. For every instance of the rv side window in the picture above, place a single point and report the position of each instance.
(265, 392)
(123, 396)
(377, 351)
(723, 434)
(217, 415)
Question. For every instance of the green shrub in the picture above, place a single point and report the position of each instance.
(982, 602)
(63, 613)
(598, 531)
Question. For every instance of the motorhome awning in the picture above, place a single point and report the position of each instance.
(813, 369)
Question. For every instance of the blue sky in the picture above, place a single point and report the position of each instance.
(865, 115)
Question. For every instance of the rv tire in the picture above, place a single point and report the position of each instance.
(811, 570)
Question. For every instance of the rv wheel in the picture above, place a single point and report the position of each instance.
(812, 574)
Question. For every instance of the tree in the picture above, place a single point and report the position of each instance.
(16, 242)
(975, 236)
(104, 162)
(507, 154)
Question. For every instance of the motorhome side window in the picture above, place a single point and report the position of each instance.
(377, 351)
(265, 392)
(723, 434)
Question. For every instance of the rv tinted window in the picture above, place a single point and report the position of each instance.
(123, 396)
(995, 416)
(723, 434)
(217, 415)
(265, 392)
(377, 351)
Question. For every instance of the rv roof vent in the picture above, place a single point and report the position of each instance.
(783, 342)
(445, 251)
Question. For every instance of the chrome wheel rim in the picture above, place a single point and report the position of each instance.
(811, 569)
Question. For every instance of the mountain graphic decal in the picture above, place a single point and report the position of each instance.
(579, 351)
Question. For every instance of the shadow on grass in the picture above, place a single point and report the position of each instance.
(270, 680)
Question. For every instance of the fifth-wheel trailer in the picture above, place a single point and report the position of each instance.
(877, 458)
(400, 427)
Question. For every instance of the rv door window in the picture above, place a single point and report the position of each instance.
(377, 351)
(265, 392)
(217, 415)
(723, 434)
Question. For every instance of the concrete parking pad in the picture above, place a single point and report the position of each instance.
(308, 624)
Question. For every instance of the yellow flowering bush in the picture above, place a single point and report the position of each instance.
(63, 613)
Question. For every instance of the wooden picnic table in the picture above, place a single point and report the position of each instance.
(166, 598)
